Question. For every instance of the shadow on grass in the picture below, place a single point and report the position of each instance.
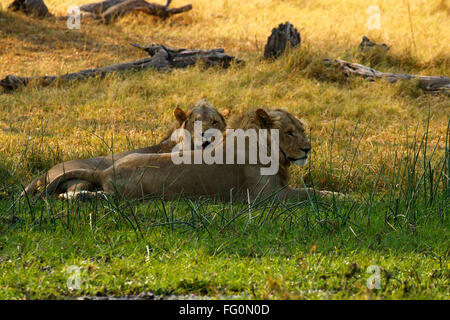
(48, 34)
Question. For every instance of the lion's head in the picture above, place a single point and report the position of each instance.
(204, 112)
(293, 142)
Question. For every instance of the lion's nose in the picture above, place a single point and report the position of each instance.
(306, 150)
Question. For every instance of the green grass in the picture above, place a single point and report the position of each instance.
(279, 253)
(261, 250)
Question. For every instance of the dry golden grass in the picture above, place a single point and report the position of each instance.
(41, 126)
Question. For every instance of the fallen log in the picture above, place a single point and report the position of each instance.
(99, 7)
(427, 83)
(366, 44)
(161, 58)
(279, 39)
(30, 7)
(182, 58)
(111, 10)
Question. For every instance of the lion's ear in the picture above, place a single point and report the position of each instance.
(264, 118)
(180, 115)
(225, 112)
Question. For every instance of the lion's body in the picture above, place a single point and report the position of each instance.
(142, 175)
(139, 175)
(202, 111)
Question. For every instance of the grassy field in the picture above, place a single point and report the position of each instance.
(385, 144)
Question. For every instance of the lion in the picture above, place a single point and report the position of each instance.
(202, 111)
(141, 175)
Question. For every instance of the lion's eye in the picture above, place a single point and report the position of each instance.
(214, 122)
(290, 133)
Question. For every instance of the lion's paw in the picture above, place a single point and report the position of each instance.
(82, 195)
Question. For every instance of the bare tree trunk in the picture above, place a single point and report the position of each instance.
(30, 7)
(427, 83)
(162, 58)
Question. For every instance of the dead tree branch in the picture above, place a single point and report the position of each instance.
(427, 83)
(110, 10)
(279, 39)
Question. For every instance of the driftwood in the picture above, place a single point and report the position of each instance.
(182, 58)
(280, 38)
(30, 7)
(427, 83)
(162, 58)
(111, 10)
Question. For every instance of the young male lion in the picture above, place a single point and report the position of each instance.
(202, 111)
(141, 175)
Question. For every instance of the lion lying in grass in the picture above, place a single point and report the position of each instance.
(142, 175)
(202, 111)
